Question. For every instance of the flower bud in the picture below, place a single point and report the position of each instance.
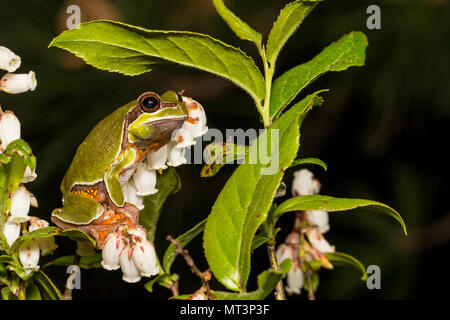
(175, 155)
(47, 245)
(318, 241)
(20, 204)
(130, 273)
(111, 251)
(285, 252)
(157, 160)
(29, 255)
(11, 230)
(144, 258)
(304, 184)
(183, 138)
(293, 239)
(295, 279)
(18, 83)
(9, 128)
(9, 61)
(199, 296)
(144, 180)
(196, 123)
(29, 176)
(132, 197)
(320, 219)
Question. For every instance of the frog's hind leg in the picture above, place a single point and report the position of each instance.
(79, 210)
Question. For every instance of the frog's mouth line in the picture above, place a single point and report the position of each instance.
(168, 118)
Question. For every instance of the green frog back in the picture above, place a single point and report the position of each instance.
(97, 151)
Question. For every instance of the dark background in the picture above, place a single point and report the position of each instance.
(382, 130)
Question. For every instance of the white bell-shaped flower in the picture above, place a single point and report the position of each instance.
(47, 245)
(285, 252)
(20, 204)
(18, 82)
(293, 239)
(199, 296)
(157, 160)
(29, 255)
(138, 234)
(85, 248)
(130, 272)
(144, 258)
(132, 197)
(295, 279)
(175, 155)
(196, 123)
(304, 183)
(183, 138)
(11, 230)
(320, 219)
(29, 176)
(9, 128)
(318, 241)
(9, 61)
(36, 223)
(114, 244)
(144, 180)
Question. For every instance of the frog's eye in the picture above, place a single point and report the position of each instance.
(149, 102)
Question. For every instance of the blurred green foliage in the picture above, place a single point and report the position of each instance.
(381, 131)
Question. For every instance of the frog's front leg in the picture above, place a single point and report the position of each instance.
(116, 177)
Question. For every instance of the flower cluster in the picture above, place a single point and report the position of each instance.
(306, 241)
(21, 200)
(14, 83)
(130, 250)
(18, 222)
(143, 181)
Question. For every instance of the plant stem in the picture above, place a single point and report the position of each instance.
(279, 290)
(174, 289)
(268, 75)
(22, 291)
(204, 276)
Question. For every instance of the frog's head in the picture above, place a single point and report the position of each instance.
(158, 116)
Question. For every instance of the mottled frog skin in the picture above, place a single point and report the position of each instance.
(93, 187)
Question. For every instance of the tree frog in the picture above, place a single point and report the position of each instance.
(93, 186)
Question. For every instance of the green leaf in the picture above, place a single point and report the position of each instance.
(32, 292)
(240, 28)
(166, 183)
(348, 51)
(19, 147)
(331, 204)
(73, 234)
(5, 259)
(216, 155)
(182, 297)
(246, 198)
(13, 162)
(267, 281)
(287, 22)
(87, 262)
(183, 240)
(163, 279)
(309, 161)
(339, 258)
(131, 50)
(259, 240)
(8, 295)
(48, 288)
